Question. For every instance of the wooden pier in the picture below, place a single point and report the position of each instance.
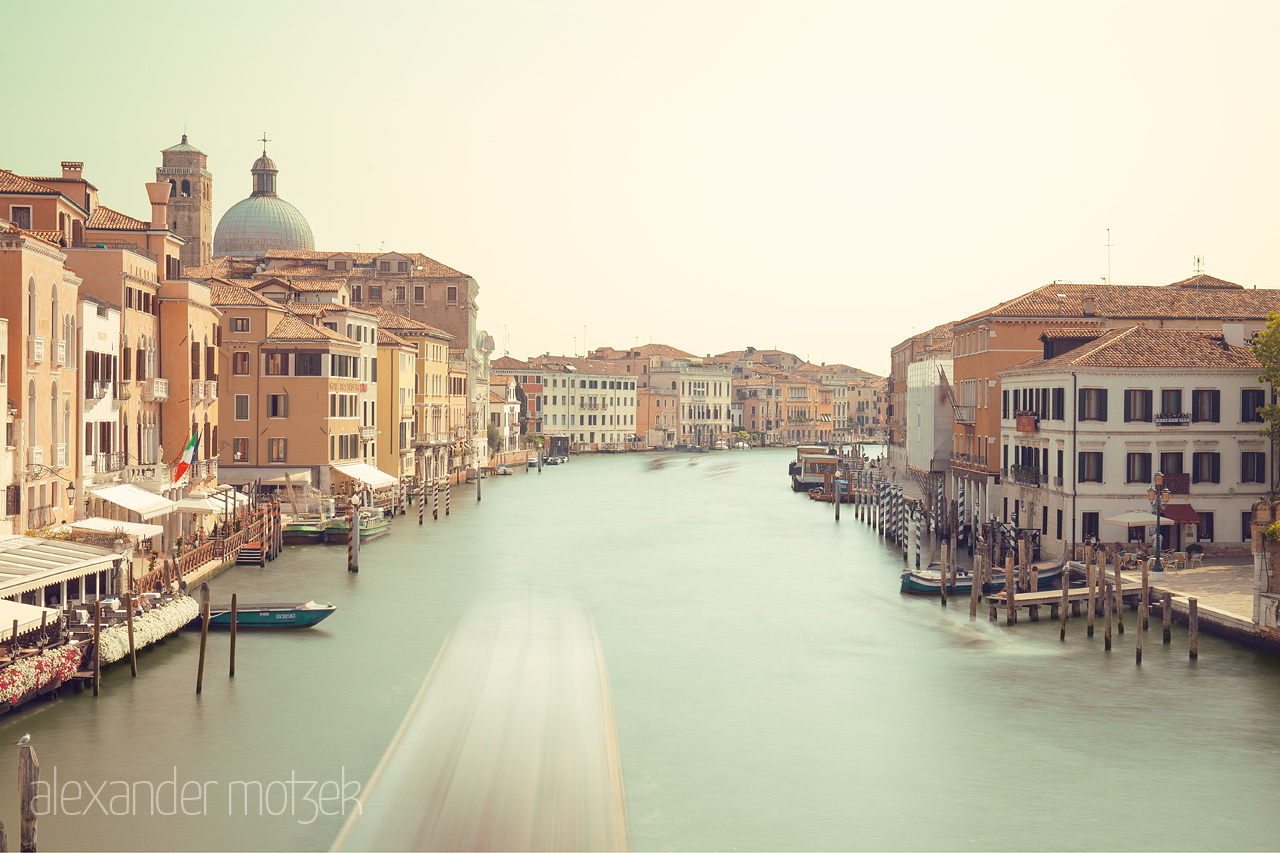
(1053, 598)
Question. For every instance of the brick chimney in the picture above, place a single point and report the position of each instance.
(72, 170)
(158, 192)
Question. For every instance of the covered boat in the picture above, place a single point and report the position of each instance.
(269, 615)
(929, 581)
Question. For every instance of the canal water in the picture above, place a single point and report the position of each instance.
(772, 689)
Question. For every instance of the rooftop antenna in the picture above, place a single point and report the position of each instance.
(1197, 263)
(1108, 245)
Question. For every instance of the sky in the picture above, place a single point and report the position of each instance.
(826, 178)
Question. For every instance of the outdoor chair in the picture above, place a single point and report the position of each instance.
(1179, 560)
(1197, 559)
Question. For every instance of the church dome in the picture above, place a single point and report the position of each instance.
(263, 222)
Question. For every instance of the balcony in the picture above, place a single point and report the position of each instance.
(1057, 482)
(368, 432)
(35, 455)
(115, 244)
(1173, 419)
(406, 410)
(121, 391)
(1027, 422)
(211, 389)
(202, 469)
(60, 455)
(966, 414)
(39, 516)
(1178, 484)
(197, 390)
(108, 463)
(155, 390)
(35, 350)
(60, 353)
(1027, 475)
(99, 388)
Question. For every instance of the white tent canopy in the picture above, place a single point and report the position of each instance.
(1137, 519)
(146, 504)
(28, 616)
(111, 525)
(198, 505)
(367, 474)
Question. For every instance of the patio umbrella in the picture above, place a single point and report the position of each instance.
(1137, 519)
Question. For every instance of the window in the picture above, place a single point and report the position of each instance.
(1090, 467)
(1137, 406)
(1206, 467)
(1253, 467)
(1138, 468)
(1246, 527)
(1093, 404)
(1059, 406)
(277, 364)
(375, 292)
(277, 405)
(1204, 531)
(384, 266)
(1059, 528)
(242, 407)
(340, 266)
(277, 449)
(402, 266)
(451, 294)
(1089, 525)
(239, 324)
(1251, 399)
(1171, 401)
(419, 293)
(240, 449)
(240, 363)
(20, 216)
(307, 364)
(1044, 521)
(1206, 406)
(1171, 463)
(357, 293)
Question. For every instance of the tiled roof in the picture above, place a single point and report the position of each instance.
(224, 293)
(11, 183)
(1074, 333)
(385, 338)
(506, 362)
(431, 268)
(496, 398)
(217, 268)
(290, 328)
(308, 309)
(104, 218)
(403, 325)
(57, 238)
(1202, 296)
(1143, 347)
(591, 367)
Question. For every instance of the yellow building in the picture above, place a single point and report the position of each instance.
(397, 363)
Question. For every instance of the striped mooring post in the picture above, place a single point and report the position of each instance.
(960, 510)
(435, 500)
(918, 518)
(422, 497)
(938, 517)
(351, 537)
(448, 493)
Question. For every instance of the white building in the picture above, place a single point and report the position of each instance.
(929, 415)
(1084, 431)
(103, 457)
(705, 394)
(10, 510)
(591, 401)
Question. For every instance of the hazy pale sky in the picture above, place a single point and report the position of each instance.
(823, 177)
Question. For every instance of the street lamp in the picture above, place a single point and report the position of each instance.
(1158, 493)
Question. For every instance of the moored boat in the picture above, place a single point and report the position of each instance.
(269, 615)
(929, 581)
(374, 523)
(304, 531)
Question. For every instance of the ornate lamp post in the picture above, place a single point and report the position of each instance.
(1158, 493)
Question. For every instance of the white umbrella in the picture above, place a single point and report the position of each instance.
(1137, 519)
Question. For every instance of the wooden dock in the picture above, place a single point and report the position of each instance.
(1033, 601)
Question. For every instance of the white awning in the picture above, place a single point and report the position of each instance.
(146, 504)
(111, 525)
(28, 563)
(366, 474)
(198, 505)
(28, 616)
(269, 476)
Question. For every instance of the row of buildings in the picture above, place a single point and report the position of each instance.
(1057, 409)
(658, 396)
(121, 339)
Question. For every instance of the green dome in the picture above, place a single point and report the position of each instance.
(259, 224)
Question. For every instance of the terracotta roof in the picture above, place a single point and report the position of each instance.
(290, 328)
(104, 218)
(403, 325)
(309, 309)
(57, 238)
(1074, 333)
(217, 268)
(385, 338)
(224, 293)
(506, 362)
(496, 398)
(1200, 296)
(431, 268)
(11, 183)
(310, 285)
(1143, 347)
(591, 367)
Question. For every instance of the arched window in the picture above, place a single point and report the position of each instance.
(141, 359)
(173, 188)
(32, 306)
(186, 189)
(53, 317)
(31, 412)
(66, 426)
(53, 415)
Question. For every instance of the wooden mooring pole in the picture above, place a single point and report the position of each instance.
(1119, 595)
(1066, 591)
(1139, 645)
(1193, 627)
(1106, 606)
(133, 652)
(28, 784)
(97, 650)
(1088, 579)
(1166, 615)
(204, 634)
(234, 614)
(975, 587)
(1010, 591)
(1144, 606)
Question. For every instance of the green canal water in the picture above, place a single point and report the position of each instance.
(772, 689)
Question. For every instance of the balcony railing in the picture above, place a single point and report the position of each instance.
(1057, 481)
(35, 350)
(155, 390)
(197, 390)
(99, 388)
(121, 391)
(60, 455)
(107, 463)
(406, 410)
(211, 389)
(60, 353)
(1173, 419)
(115, 244)
(1027, 475)
(39, 516)
(35, 455)
(367, 432)
(966, 414)
(1178, 484)
(1027, 421)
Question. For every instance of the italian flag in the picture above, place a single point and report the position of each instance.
(188, 454)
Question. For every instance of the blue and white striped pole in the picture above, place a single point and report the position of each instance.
(919, 519)
(938, 515)
(960, 510)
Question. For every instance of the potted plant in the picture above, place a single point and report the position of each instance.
(1195, 549)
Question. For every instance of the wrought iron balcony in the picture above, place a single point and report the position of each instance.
(39, 516)
(1027, 421)
(966, 414)
(107, 463)
(1027, 475)
(1173, 419)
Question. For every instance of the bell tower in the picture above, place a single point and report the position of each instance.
(184, 168)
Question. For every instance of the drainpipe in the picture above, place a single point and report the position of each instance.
(1075, 413)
